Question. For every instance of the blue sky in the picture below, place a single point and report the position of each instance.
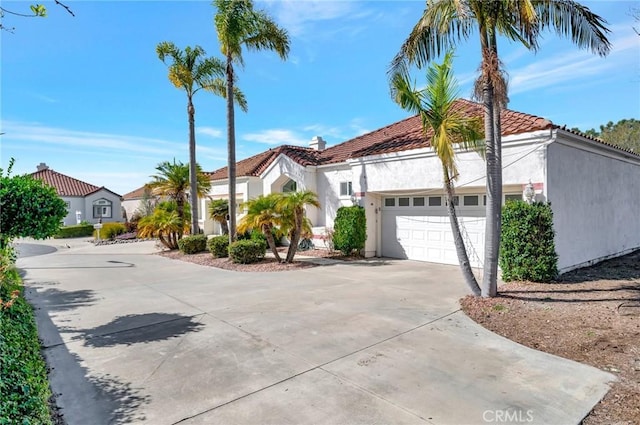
(88, 95)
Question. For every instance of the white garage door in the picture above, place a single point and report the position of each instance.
(423, 233)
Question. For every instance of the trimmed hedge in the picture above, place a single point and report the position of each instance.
(219, 246)
(193, 244)
(24, 388)
(76, 231)
(247, 251)
(527, 248)
(350, 229)
(110, 230)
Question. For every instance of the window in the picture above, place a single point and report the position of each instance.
(403, 202)
(346, 189)
(418, 202)
(435, 201)
(513, 197)
(289, 186)
(389, 202)
(102, 208)
(470, 200)
(456, 200)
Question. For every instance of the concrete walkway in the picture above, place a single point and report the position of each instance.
(133, 337)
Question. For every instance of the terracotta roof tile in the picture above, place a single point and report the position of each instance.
(65, 185)
(135, 194)
(255, 165)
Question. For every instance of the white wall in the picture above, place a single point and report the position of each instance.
(116, 212)
(130, 206)
(595, 197)
(75, 204)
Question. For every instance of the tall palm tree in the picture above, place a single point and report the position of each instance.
(237, 25)
(444, 23)
(292, 205)
(172, 181)
(447, 129)
(263, 213)
(191, 71)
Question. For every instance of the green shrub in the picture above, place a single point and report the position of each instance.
(219, 246)
(247, 251)
(24, 389)
(527, 249)
(76, 231)
(193, 244)
(350, 229)
(110, 230)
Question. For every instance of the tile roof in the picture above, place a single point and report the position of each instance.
(65, 185)
(135, 194)
(255, 165)
(401, 136)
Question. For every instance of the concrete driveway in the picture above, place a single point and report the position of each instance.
(134, 337)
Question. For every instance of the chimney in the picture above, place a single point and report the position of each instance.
(42, 167)
(317, 143)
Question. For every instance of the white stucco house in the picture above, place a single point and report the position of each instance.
(85, 202)
(394, 174)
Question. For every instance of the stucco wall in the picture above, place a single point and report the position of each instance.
(595, 200)
(116, 212)
(75, 204)
(130, 206)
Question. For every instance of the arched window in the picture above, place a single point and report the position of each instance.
(289, 186)
(102, 208)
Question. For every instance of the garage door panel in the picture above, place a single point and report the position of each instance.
(422, 237)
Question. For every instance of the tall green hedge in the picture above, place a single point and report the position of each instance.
(76, 231)
(350, 229)
(24, 389)
(527, 249)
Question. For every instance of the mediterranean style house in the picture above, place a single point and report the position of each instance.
(85, 202)
(395, 175)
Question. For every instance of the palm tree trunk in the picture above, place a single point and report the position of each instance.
(295, 236)
(180, 211)
(494, 177)
(461, 251)
(193, 181)
(266, 229)
(231, 147)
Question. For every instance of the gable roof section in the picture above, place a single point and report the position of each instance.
(67, 186)
(135, 194)
(401, 136)
(256, 164)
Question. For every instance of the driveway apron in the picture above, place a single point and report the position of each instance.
(133, 337)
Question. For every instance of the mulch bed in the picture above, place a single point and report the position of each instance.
(591, 315)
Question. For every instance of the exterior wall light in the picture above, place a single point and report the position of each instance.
(529, 193)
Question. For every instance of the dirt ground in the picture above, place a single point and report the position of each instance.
(591, 315)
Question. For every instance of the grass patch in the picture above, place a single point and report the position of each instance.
(24, 388)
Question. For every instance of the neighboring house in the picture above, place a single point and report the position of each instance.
(85, 202)
(131, 202)
(394, 174)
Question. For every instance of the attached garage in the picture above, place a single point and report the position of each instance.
(418, 228)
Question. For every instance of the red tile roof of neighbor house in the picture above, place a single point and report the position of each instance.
(401, 136)
(135, 194)
(65, 185)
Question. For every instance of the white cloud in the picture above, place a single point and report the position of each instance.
(216, 133)
(125, 144)
(296, 16)
(276, 137)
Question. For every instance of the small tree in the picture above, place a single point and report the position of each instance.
(165, 224)
(219, 210)
(28, 208)
(350, 229)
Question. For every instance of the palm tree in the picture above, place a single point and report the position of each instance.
(263, 213)
(172, 181)
(444, 23)
(165, 223)
(292, 205)
(218, 210)
(191, 71)
(237, 25)
(447, 129)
